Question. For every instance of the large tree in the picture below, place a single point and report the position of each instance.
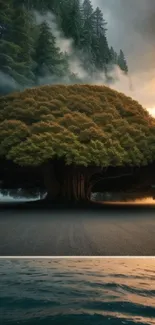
(73, 133)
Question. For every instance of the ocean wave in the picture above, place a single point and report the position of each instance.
(42, 293)
(83, 318)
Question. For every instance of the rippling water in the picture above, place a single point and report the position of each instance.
(86, 291)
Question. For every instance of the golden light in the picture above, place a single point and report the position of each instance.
(152, 111)
(144, 201)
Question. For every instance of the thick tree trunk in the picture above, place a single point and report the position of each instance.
(66, 183)
(74, 187)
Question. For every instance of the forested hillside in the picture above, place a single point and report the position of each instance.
(29, 51)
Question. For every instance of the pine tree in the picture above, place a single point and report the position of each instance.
(20, 33)
(48, 58)
(9, 51)
(71, 20)
(104, 51)
(99, 23)
(122, 62)
(113, 56)
(87, 36)
(88, 21)
(87, 9)
(100, 47)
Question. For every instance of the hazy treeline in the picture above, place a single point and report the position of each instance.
(31, 43)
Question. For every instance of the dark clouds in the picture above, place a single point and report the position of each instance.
(131, 26)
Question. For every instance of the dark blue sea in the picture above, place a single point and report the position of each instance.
(80, 292)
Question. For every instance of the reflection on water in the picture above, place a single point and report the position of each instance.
(99, 291)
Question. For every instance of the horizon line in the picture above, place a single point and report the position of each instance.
(77, 257)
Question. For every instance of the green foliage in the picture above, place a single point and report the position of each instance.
(47, 55)
(29, 54)
(80, 124)
(122, 62)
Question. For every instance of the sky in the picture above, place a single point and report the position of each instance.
(131, 26)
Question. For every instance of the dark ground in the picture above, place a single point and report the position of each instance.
(97, 230)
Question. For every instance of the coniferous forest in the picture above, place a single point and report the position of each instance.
(30, 54)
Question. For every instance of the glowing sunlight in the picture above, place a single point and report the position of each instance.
(144, 201)
(152, 111)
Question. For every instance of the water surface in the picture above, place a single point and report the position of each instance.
(69, 291)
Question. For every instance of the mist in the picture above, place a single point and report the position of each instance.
(7, 83)
(66, 46)
(75, 63)
(125, 34)
(131, 26)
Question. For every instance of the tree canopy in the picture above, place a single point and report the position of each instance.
(80, 124)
